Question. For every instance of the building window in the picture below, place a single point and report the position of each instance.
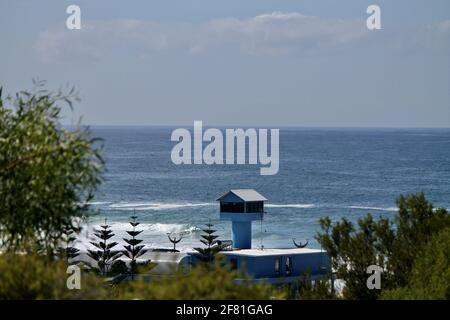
(288, 266)
(232, 207)
(234, 263)
(254, 207)
(278, 266)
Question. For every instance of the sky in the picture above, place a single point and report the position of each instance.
(236, 63)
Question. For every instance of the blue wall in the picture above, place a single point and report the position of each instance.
(264, 266)
(241, 234)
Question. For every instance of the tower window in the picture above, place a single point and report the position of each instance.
(288, 266)
(254, 206)
(232, 206)
(234, 263)
(278, 266)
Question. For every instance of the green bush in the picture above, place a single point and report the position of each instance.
(34, 276)
(308, 289)
(430, 275)
(201, 283)
(47, 173)
(392, 244)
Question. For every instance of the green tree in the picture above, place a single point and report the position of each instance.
(308, 289)
(105, 258)
(48, 173)
(430, 275)
(415, 225)
(133, 249)
(353, 249)
(390, 244)
(208, 253)
(69, 252)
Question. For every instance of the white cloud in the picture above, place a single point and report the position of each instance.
(267, 34)
(435, 37)
(444, 26)
(285, 32)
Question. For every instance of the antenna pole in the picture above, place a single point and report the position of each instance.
(261, 238)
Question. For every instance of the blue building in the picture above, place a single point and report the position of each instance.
(279, 265)
(241, 207)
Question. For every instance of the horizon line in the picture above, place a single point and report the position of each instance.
(253, 126)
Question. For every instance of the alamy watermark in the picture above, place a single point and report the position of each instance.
(73, 281)
(373, 22)
(73, 21)
(374, 280)
(234, 147)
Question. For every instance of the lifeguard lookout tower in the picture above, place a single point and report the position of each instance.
(241, 207)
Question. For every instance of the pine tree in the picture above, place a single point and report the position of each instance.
(104, 256)
(134, 249)
(69, 252)
(209, 240)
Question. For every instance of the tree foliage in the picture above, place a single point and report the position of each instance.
(208, 253)
(415, 225)
(48, 173)
(391, 244)
(68, 251)
(308, 289)
(35, 276)
(133, 249)
(430, 274)
(104, 256)
(204, 282)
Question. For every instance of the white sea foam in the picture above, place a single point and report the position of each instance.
(143, 206)
(292, 205)
(154, 234)
(156, 228)
(158, 206)
(154, 205)
(390, 209)
(98, 203)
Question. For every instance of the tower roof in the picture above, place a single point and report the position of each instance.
(244, 195)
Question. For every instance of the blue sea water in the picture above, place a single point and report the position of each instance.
(323, 172)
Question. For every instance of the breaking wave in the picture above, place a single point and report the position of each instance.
(98, 203)
(154, 205)
(158, 206)
(292, 205)
(390, 209)
(156, 228)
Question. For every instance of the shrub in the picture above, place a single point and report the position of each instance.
(34, 276)
(47, 172)
(430, 275)
(203, 282)
(391, 244)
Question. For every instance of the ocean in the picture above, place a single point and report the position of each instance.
(323, 172)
